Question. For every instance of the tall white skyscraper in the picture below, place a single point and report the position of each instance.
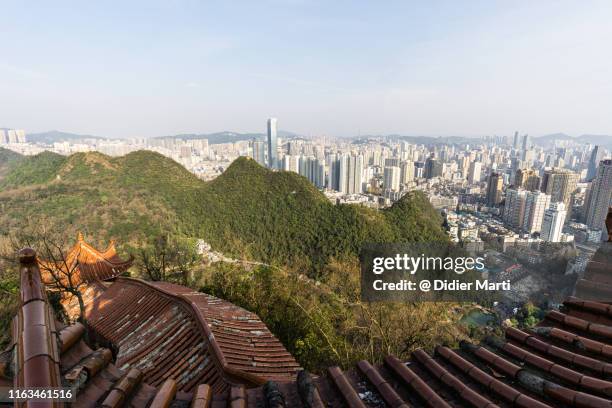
(3, 138)
(272, 144)
(552, 225)
(600, 197)
(536, 203)
(474, 172)
(391, 179)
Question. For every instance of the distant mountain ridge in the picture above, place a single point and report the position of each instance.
(547, 140)
(227, 136)
(425, 140)
(232, 137)
(56, 136)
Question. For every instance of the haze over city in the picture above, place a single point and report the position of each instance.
(338, 69)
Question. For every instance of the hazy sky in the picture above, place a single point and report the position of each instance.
(330, 67)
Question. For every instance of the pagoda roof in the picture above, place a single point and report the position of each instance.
(85, 263)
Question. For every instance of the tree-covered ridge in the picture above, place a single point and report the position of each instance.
(7, 156)
(8, 159)
(248, 211)
(38, 169)
(279, 218)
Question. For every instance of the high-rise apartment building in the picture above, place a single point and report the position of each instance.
(333, 181)
(346, 174)
(559, 184)
(259, 152)
(527, 179)
(514, 208)
(392, 162)
(433, 168)
(406, 171)
(355, 174)
(20, 135)
(313, 169)
(391, 179)
(291, 163)
(536, 202)
(272, 144)
(552, 224)
(474, 172)
(600, 197)
(494, 189)
(12, 136)
(419, 169)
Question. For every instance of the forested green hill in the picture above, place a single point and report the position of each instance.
(250, 211)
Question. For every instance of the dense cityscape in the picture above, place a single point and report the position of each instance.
(513, 188)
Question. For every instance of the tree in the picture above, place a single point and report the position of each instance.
(59, 273)
(167, 259)
(9, 290)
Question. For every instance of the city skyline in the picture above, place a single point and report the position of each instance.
(506, 187)
(161, 68)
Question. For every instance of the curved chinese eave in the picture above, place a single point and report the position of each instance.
(83, 264)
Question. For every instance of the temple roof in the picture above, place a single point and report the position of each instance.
(171, 331)
(563, 362)
(159, 342)
(85, 263)
(174, 347)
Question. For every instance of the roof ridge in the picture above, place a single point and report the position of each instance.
(217, 352)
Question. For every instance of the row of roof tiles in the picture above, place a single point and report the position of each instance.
(169, 331)
(563, 362)
(166, 336)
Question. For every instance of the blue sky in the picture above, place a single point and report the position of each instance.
(337, 68)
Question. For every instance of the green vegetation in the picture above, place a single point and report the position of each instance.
(8, 159)
(33, 170)
(248, 212)
(528, 316)
(9, 299)
(308, 296)
(325, 323)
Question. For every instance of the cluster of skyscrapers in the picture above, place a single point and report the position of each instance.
(535, 204)
(534, 189)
